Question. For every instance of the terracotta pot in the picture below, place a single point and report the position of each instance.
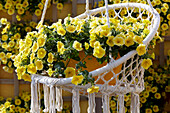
(94, 64)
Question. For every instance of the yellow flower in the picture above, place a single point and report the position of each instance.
(1, 6)
(77, 79)
(168, 16)
(155, 108)
(71, 28)
(59, 6)
(146, 63)
(17, 36)
(50, 58)
(11, 43)
(112, 103)
(26, 77)
(119, 41)
(17, 102)
(17, 109)
(92, 41)
(4, 37)
(157, 95)
(60, 47)
(141, 49)
(93, 89)
(69, 72)
(28, 42)
(7, 104)
(148, 88)
(8, 5)
(99, 52)
(138, 39)
(9, 64)
(143, 99)
(40, 5)
(20, 71)
(158, 10)
(3, 21)
(37, 12)
(110, 41)
(164, 9)
(31, 69)
(50, 72)
(61, 31)
(18, 6)
(146, 94)
(2, 55)
(19, 18)
(12, 107)
(86, 45)
(39, 64)
(146, 31)
(164, 26)
(96, 44)
(28, 29)
(11, 11)
(20, 11)
(129, 41)
(105, 33)
(25, 4)
(154, 89)
(34, 47)
(41, 41)
(41, 53)
(77, 45)
(148, 110)
(22, 110)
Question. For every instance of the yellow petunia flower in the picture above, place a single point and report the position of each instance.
(77, 79)
(50, 72)
(20, 11)
(129, 41)
(141, 49)
(98, 52)
(31, 68)
(77, 45)
(11, 44)
(17, 102)
(61, 31)
(146, 63)
(41, 53)
(148, 110)
(71, 28)
(93, 89)
(154, 89)
(69, 72)
(3, 21)
(25, 4)
(2, 55)
(143, 99)
(164, 26)
(138, 39)
(59, 6)
(110, 41)
(11, 11)
(34, 47)
(22, 110)
(39, 65)
(40, 5)
(37, 12)
(50, 58)
(157, 95)
(155, 108)
(41, 41)
(4, 37)
(18, 6)
(8, 55)
(86, 45)
(119, 41)
(26, 77)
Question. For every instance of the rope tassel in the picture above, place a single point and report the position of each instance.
(46, 98)
(121, 103)
(52, 100)
(59, 99)
(135, 103)
(75, 101)
(34, 98)
(92, 105)
(105, 101)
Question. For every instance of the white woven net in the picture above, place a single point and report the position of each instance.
(127, 72)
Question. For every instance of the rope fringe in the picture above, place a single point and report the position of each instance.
(59, 99)
(75, 101)
(91, 102)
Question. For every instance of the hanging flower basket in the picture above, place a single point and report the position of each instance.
(89, 53)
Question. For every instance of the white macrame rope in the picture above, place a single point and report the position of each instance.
(105, 101)
(91, 103)
(135, 103)
(121, 103)
(44, 11)
(75, 100)
(59, 99)
(46, 98)
(52, 100)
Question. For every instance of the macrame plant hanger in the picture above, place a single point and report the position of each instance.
(53, 87)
